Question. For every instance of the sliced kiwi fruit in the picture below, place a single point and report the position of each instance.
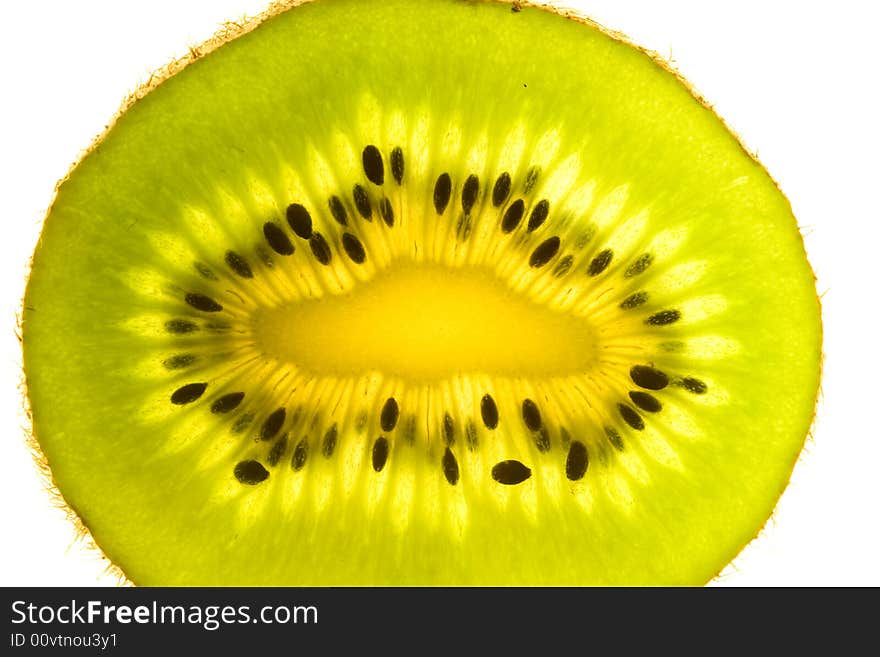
(421, 293)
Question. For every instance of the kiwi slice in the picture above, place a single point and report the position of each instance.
(421, 293)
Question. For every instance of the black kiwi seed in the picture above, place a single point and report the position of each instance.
(645, 401)
(632, 418)
(614, 438)
(362, 202)
(380, 453)
(180, 326)
(203, 303)
(469, 193)
(512, 216)
(300, 220)
(353, 248)
(600, 262)
(501, 190)
(300, 454)
(277, 451)
(577, 461)
(470, 433)
(448, 429)
(227, 403)
(544, 252)
(648, 377)
(641, 264)
(510, 472)
(532, 178)
(272, 424)
(320, 249)
(373, 167)
(188, 393)
(542, 439)
(389, 415)
(531, 414)
(250, 472)
(450, 467)
(277, 239)
(538, 215)
(563, 266)
(663, 318)
(328, 444)
(238, 264)
(179, 361)
(205, 271)
(337, 209)
(489, 411)
(442, 192)
(387, 212)
(694, 385)
(397, 164)
(634, 300)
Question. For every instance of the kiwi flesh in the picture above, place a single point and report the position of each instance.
(341, 303)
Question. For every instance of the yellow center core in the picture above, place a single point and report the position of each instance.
(428, 322)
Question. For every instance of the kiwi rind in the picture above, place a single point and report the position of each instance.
(734, 548)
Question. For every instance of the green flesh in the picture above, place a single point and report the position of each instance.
(627, 157)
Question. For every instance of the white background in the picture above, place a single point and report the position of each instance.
(797, 80)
